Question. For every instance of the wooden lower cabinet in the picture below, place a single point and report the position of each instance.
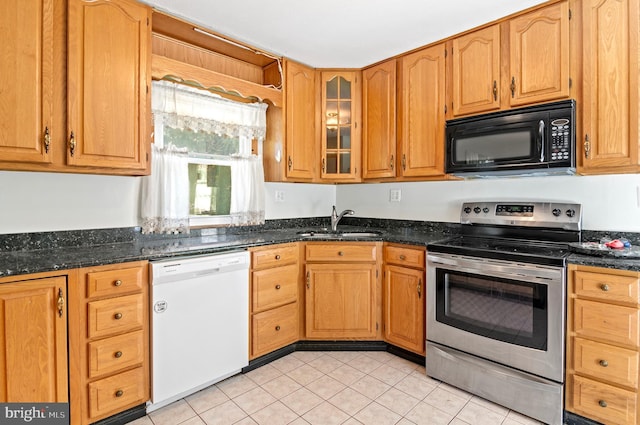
(108, 340)
(342, 296)
(33, 340)
(404, 297)
(275, 278)
(603, 346)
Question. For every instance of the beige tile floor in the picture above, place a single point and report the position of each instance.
(335, 387)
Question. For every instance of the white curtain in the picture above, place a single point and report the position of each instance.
(165, 192)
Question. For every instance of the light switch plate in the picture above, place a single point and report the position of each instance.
(395, 195)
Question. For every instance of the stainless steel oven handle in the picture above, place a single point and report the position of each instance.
(541, 132)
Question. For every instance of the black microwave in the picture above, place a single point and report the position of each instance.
(536, 140)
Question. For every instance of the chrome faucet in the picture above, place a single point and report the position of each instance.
(335, 218)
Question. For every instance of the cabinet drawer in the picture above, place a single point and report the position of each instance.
(607, 362)
(114, 282)
(336, 252)
(273, 329)
(607, 287)
(611, 323)
(404, 256)
(274, 257)
(115, 315)
(274, 287)
(114, 393)
(603, 402)
(116, 353)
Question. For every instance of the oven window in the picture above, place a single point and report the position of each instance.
(506, 310)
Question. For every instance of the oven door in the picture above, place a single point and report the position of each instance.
(508, 312)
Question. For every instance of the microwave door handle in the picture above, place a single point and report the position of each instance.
(541, 132)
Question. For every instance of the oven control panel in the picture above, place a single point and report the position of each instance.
(559, 215)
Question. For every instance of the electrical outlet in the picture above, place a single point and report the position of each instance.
(279, 196)
(395, 195)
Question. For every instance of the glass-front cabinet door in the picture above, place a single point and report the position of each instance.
(340, 125)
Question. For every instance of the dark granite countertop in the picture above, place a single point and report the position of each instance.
(44, 252)
(26, 261)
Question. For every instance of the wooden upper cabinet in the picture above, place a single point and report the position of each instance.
(33, 341)
(300, 131)
(108, 84)
(475, 71)
(340, 125)
(422, 104)
(610, 87)
(539, 55)
(26, 86)
(379, 121)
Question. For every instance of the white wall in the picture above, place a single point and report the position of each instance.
(609, 202)
(38, 202)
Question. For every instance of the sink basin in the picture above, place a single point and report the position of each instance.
(310, 234)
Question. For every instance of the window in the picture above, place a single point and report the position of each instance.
(214, 136)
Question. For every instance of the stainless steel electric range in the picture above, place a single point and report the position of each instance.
(496, 304)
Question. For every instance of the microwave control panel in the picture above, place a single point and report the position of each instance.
(560, 139)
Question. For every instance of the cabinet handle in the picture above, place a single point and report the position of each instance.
(391, 162)
(403, 257)
(117, 316)
(277, 286)
(308, 279)
(495, 90)
(290, 163)
(47, 139)
(513, 86)
(604, 287)
(587, 146)
(117, 354)
(419, 288)
(340, 254)
(117, 283)
(404, 162)
(602, 403)
(277, 256)
(323, 165)
(603, 363)
(119, 393)
(60, 302)
(277, 328)
(72, 144)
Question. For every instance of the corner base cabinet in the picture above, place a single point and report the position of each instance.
(603, 345)
(108, 341)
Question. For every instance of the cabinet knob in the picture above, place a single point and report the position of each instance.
(602, 403)
(603, 363)
(117, 283)
(278, 257)
(604, 287)
(277, 327)
(340, 253)
(119, 393)
(117, 354)
(278, 286)
(117, 316)
(402, 257)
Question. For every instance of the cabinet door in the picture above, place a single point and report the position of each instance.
(379, 121)
(108, 84)
(340, 125)
(26, 60)
(300, 101)
(404, 308)
(476, 71)
(539, 59)
(341, 301)
(33, 341)
(610, 91)
(422, 112)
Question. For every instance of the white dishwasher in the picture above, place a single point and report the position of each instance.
(199, 323)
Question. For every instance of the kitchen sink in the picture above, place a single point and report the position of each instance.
(311, 234)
